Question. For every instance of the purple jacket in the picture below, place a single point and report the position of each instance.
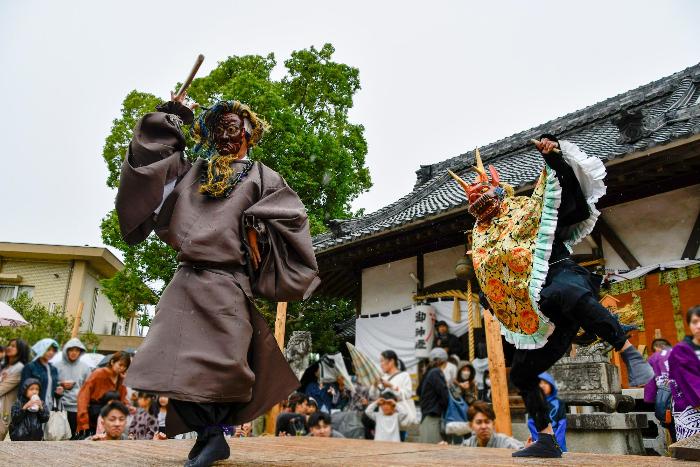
(659, 362)
(684, 371)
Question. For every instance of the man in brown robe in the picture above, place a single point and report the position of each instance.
(240, 231)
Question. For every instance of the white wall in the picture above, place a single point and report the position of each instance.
(388, 286)
(104, 313)
(654, 229)
(439, 266)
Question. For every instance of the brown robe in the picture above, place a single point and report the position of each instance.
(207, 342)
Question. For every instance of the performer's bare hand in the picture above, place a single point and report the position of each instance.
(254, 250)
(545, 146)
(192, 105)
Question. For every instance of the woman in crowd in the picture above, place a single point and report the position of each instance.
(16, 357)
(684, 373)
(101, 381)
(434, 397)
(45, 372)
(326, 395)
(464, 384)
(162, 413)
(397, 380)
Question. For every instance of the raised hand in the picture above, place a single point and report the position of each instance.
(254, 250)
(545, 146)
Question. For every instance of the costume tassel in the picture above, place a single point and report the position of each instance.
(456, 311)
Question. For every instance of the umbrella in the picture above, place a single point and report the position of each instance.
(9, 317)
(366, 371)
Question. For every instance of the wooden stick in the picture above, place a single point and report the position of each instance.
(535, 141)
(497, 373)
(190, 77)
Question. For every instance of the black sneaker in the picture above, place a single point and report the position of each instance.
(545, 446)
(215, 449)
(199, 444)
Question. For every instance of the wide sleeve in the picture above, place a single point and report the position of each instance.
(153, 164)
(288, 271)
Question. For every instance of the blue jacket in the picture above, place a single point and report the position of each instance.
(38, 371)
(557, 414)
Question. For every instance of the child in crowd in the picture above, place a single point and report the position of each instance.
(145, 422)
(29, 413)
(388, 419)
(162, 413)
(557, 411)
(320, 426)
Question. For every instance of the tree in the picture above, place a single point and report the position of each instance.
(42, 322)
(311, 143)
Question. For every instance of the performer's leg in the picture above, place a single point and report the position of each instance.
(206, 419)
(524, 373)
(595, 318)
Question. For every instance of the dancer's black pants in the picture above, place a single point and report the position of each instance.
(569, 300)
(201, 416)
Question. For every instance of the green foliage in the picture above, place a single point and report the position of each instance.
(42, 322)
(311, 143)
(318, 315)
(128, 294)
(90, 340)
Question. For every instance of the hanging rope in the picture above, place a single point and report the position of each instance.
(470, 318)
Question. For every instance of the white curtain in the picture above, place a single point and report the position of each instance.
(397, 332)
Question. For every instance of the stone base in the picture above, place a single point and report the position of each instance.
(688, 449)
(605, 433)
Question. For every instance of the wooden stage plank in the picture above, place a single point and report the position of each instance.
(293, 452)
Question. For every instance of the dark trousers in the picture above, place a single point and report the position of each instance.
(202, 416)
(73, 422)
(568, 300)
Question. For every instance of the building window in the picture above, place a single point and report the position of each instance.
(93, 309)
(8, 292)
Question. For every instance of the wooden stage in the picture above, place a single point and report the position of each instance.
(293, 452)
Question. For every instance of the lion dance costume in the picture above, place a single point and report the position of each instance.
(541, 297)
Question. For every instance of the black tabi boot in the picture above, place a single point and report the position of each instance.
(545, 446)
(639, 372)
(215, 449)
(199, 444)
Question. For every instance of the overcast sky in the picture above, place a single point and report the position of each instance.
(438, 78)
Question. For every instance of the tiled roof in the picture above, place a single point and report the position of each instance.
(653, 114)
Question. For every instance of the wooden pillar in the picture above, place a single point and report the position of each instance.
(497, 373)
(76, 322)
(280, 325)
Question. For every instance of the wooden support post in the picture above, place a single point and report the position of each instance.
(617, 244)
(280, 325)
(691, 247)
(76, 323)
(497, 373)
